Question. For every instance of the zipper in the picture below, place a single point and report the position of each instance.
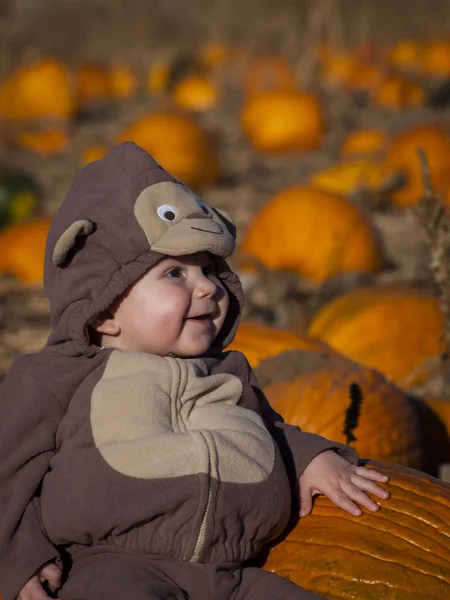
(202, 531)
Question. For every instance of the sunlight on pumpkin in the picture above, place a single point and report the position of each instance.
(391, 328)
(402, 551)
(313, 233)
(258, 341)
(317, 397)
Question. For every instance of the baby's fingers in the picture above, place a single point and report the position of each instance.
(369, 486)
(371, 474)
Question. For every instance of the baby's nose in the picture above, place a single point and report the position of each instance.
(205, 287)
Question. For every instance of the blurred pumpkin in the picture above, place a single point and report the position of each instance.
(43, 89)
(92, 83)
(283, 121)
(22, 249)
(436, 59)
(402, 160)
(179, 144)
(395, 92)
(311, 390)
(348, 176)
(406, 55)
(94, 152)
(392, 328)
(313, 233)
(269, 72)
(158, 77)
(400, 552)
(122, 81)
(215, 54)
(19, 196)
(364, 141)
(196, 92)
(364, 78)
(45, 142)
(258, 342)
(338, 69)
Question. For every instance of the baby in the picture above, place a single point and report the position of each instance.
(140, 460)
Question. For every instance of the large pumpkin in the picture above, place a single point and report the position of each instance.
(391, 328)
(179, 144)
(313, 233)
(283, 120)
(402, 161)
(258, 341)
(311, 389)
(22, 249)
(401, 552)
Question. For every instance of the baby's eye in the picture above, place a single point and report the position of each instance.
(167, 212)
(175, 273)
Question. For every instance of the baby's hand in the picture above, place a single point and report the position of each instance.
(340, 481)
(33, 589)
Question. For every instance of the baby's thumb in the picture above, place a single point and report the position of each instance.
(305, 503)
(52, 574)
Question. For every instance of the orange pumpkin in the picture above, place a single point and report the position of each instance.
(179, 144)
(395, 92)
(122, 81)
(401, 159)
(94, 152)
(196, 92)
(39, 90)
(22, 249)
(338, 69)
(391, 328)
(364, 141)
(270, 72)
(311, 389)
(436, 59)
(93, 86)
(400, 552)
(313, 233)
(46, 142)
(406, 55)
(283, 121)
(258, 342)
(348, 176)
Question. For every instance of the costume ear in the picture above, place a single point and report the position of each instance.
(67, 240)
(231, 226)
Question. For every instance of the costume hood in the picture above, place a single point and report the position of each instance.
(121, 215)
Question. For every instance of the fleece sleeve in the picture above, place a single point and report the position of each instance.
(29, 417)
(297, 447)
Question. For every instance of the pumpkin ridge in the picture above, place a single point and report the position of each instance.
(413, 489)
(326, 544)
(401, 526)
(415, 515)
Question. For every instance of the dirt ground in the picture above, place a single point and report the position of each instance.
(140, 31)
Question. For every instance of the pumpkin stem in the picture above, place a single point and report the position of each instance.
(352, 413)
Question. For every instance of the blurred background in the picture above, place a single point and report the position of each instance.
(302, 119)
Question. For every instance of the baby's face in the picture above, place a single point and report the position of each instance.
(178, 306)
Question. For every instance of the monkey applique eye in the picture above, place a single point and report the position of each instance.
(203, 206)
(167, 212)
